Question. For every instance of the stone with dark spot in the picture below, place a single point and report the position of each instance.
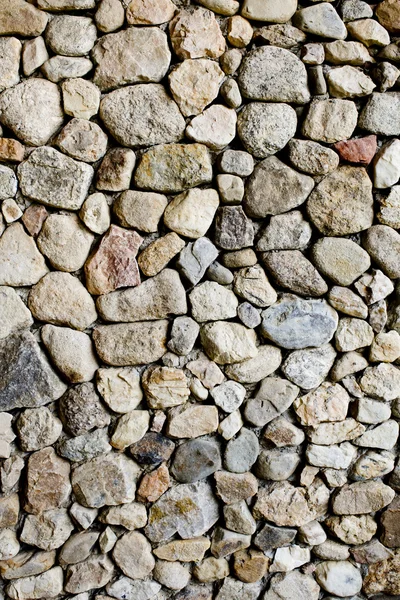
(233, 230)
(152, 449)
(196, 459)
(271, 537)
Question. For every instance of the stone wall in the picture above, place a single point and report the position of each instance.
(199, 306)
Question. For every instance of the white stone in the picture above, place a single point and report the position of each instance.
(289, 558)
(211, 301)
(191, 213)
(387, 165)
(215, 127)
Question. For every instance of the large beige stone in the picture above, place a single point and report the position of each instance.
(194, 84)
(20, 260)
(195, 33)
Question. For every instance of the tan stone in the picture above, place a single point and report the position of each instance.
(153, 485)
(193, 421)
(328, 402)
(159, 253)
(165, 387)
(194, 84)
(132, 553)
(384, 576)
(233, 487)
(149, 12)
(22, 18)
(130, 428)
(191, 550)
(9, 510)
(47, 484)
(250, 565)
(195, 33)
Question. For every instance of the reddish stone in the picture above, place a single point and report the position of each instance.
(390, 521)
(34, 217)
(154, 484)
(113, 264)
(361, 150)
(11, 150)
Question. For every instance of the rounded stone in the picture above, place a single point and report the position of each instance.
(132, 553)
(65, 241)
(342, 260)
(196, 459)
(241, 453)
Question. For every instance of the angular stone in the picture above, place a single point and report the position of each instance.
(330, 120)
(360, 150)
(32, 110)
(386, 165)
(48, 585)
(321, 20)
(125, 113)
(194, 460)
(289, 558)
(131, 516)
(47, 531)
(390, 524)
(165, 387)
(227, 542)
(381, 381)
(174, 168)
(81, 98)
(371, 411)
(380, 114)
(227, 343)
(234, 487)
(331, 457)
(54, 179)
(105, 481)
(60, 298)
(27, 564)
(362, 497)
(195, 33)
(141, 210)
(277, 464)
(115, 171)
(273, 398)
(383, 576)
(383, 436)
(145, 53)
(81, 409)
(38, 428)
(132, 553)
(14, 315)
(130, 428)
(154, 484)
(275, 188)
(233, 230)
(83, 140)
(183, 550)
(10, 49)
(86, 446)
(385, 347)
(120, 388)
(347, 302)
(152, 449)
(352, 529)
(93, 573)
(308, 368)
(192, 421)
(21, 263)
(287, 585)
(212, 302)
(128, 344)
(352, 334)
(329, 402)
(211, 569)
(215, 127)
(194, 84)
(182, 217)
(47, 483)
(274, 75)
(150, 12)
(369, 32)
(339, 578)
(326, 434)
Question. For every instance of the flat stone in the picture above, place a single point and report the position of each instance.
(195, 33)
(125, 113)
(182, 217)
(37, 428)
(371, 411)
(283, 433)
(381, 381)
(383, 436)
(81, 98)
(194, 84)
(55, 300)
(10, 49)
(173, 168)
(154, 484)
(275, 12)
(47, 482)
(47, 531)
(309, 367)
(331, 457)
(286, 505)
(125, 588)
(386, 165)
(113, 264)
(55, 179)
(131, 344)
(215, 127)
(48, 584)
(130, 428)
(284, 585)
(93, 573)
(326, 434)
(321, 20)
(270, 175)
(362, 497)
(255, 369)
(40, 384)
(21, 18)
(227, 343)
(274, 75)
(60, 67)
(194, 460)
(159, 253)
(379, 116)
(152, 449)
(34, 54)
(192, 421)
(119, 388)
(352, 53)
(341, 260)
(288, 231)
(150, 12)
(105, 481)
(288, 559)
(274, 396)
(14, 315)
(283, 36)
(187, 509)
(211, 569)
(371, 552)
(212, 302)
(21, 263)
(183, 550)
(316, 322)
(330, 121)
(293, 271)
(86, 446)
(347, 302)
(271, 537)
(27, 563)
(115, 171)
(312, 158)
(81, 409)
(339, 577)
(146, 57)
(342, 203)
(32, 110)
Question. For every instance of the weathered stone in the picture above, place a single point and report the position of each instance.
(277, 464)
(331, 457)
(78, 547)
(289, 558)
(194, 84)
(183, 335)
(61, 299)
(34, 217)
(172, 575)
(227, 343)
(27, 564)
(34, 54)
(182, 217)
(47, 485)
(152, 449)
(341, 260)
(360, 150)
(232, 588)
(362, 497)
(48, 584)
(372, 464)
(83, 140)
(215, 127)
(379, 115)
(115, 171)
(20, 261)
(132, 553)
(146, 57)
(60, 67)
(86, 446)
(292, 270)
(275, 75)
(390, 524)
(273, 13)
(14, 315)
(286, 585)
(330, 120)
(212, 302)
(150, 12)
(47, 531)
(21, 18)
(55, 179)
(192, 421)
(141, 210)
(93, 573)
(159, 253)
(81, 409)
(211, 569)
(266, 128)
(312, 158)
(369, 32)
(273, 398)
(238, 518)
(233, 487)
(7, 436)
(38, 428)
(283, 433)
(195, 33)
(195, 258)
(130, 428)
(70, 35)
(340, 578)
(241, 453)
(383, 576)
(321, 20)
(326, 434)
(10, 49)
(119, 388)
(32, 110)
(130, 589)
(154, 484)
(381, 381)
(81, 98)
(383, 436)
(329, 402)
(347, 302)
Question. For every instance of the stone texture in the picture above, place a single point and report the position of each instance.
(20, 260)
(266, 128)
(48, 485)
(195, 33)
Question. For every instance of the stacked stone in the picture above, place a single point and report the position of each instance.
(199, 306)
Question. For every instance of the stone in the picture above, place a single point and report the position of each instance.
(173, 168)
(115, 171)
(47, 531)
(48, 584)
(371, 411)
(195, 33)
(194, 84)
(390, 525)
(326, 434)
(339, 577)
(266, 128)
(377, 116)
(105, 481)
(61, 299)
(10, 49)
(341, 260)
(355, 9)
(315, 322)
(93, 573)
(81, 98)
(293, 271)
(141, 210)
(261, 197)
(230, 426)
(241, 453)
(95, 213)
(321, 20)
(289, 558)
(276, 464)
(211, 569)
(227, 542)
(146, 57)
(333, 457)
(33, 218)
(131, 344)
(284, 585)
(7, 436)
(232, 588)
(230, 188)
(283, 433)
(34, 54)
(251, 283)
(132, 554)
(152, 449)
(308, 368)
(71, 36)
(286, 505)
(383, 244)
(182, 217)
(10, 210)
(10, 472)
(183, 335)
(283, 36)
(172, 575)
(81, 409)
(274, 396)
(32, 110)
(327, 403)
(64, 182)
(40, 384)
(11, 150)
(381, 381)
(362, 497)
(331, 550)
(119, 388)
(288, 231)
(47, 483)
(234, 487)
(215, 127)
(149, 12)
(240, 32)
(360, 150)
(59, 67)
(187, 509)
(9, 184)
(312, 158)
(130, 428)
(21, 18)
(383, 436)
(353, 53)
(249, 316)
(78, 547)
(159, 253)
(312, 533)
(369, 32)
(352, 184)
(9, 544)
(21, 263)
(389, 208)
(37, 428)
(236, 162)
(385, 347)
(83, 140)
(372, 464)
(352, 334)
(274, 75)
(227, 343)
(228, 396)
(125, 114)
(238, 518)
(192, 421)
(130, 589)
(212, 302)
(14, 315)
(86, 446)
(273, 13)
(386, 165)
(9, 510)
(330, 120)
(347, 302)
(371, 552)
(383, 577)
(154, 484)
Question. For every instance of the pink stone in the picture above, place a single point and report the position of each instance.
(34, 217)
(361, 150)
(113, 265)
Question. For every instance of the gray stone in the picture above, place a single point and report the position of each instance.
(341, 260)
(322, 20)
(381, 114)
(233, 230)
(233, 589)
(312, 158)
(315, 321)
(255, 369)
(275, 188)
(93, 573)
(38, 428)
(196, 459)
(285, 586)
(266, 128)
(130, 589)
(277, 464)
(272, 399)
(241, 453)
(195, 258)
(383, 245)
(86, 446)
(288, 231)
(330, 121)
(183, 335)
(236, 162)
(59, 67)
(70, 35)
(275, 75)
(8, 182)
(362, 497)
(47, 531)
(81, 409)
(52, 178)
(339, 577)
(271, 537)
(293, 271)
(309, 367)
(40, 384)
(142, 115)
